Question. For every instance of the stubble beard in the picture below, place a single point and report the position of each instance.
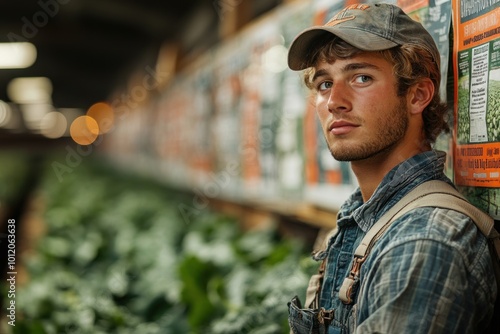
(391, 131)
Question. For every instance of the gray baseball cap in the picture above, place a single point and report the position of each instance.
(368, 27)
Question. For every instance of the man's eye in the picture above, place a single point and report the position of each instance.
(324, 85)
(362, 79)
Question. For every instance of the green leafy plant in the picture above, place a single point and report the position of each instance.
(119, 257)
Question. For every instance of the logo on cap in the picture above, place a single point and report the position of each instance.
(341, 16)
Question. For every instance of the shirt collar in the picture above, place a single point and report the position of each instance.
(399, 181)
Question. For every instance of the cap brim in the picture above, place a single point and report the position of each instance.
(302, 46)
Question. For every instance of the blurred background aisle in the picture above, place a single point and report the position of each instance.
(101, 245)
(162, 171)
(70, 54)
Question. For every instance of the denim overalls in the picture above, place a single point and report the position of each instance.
(334, 316)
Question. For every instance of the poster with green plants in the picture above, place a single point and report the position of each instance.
(477, 103)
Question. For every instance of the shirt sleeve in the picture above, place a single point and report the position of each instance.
(419, 286)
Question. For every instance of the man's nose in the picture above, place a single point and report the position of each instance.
(338, 99)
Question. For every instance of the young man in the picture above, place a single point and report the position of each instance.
(375, 75)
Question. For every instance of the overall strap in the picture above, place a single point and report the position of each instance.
(431, 193)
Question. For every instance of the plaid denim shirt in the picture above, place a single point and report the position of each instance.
(430, 272)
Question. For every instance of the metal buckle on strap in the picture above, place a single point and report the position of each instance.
(325, 317)
(345, 293)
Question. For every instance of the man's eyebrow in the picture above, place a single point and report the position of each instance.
(319, 73)
(349, 67)
(358, 66)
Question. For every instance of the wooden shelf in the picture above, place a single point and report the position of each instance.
(255, 213)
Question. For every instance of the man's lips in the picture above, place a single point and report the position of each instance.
(341, 127)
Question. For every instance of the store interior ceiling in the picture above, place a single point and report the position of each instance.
(89, 49)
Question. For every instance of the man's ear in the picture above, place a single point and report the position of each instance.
(420, 95)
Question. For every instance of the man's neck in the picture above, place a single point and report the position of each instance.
(370, 172)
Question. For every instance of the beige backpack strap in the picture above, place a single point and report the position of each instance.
(316, 281)
(455, 201)
(432, 193)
